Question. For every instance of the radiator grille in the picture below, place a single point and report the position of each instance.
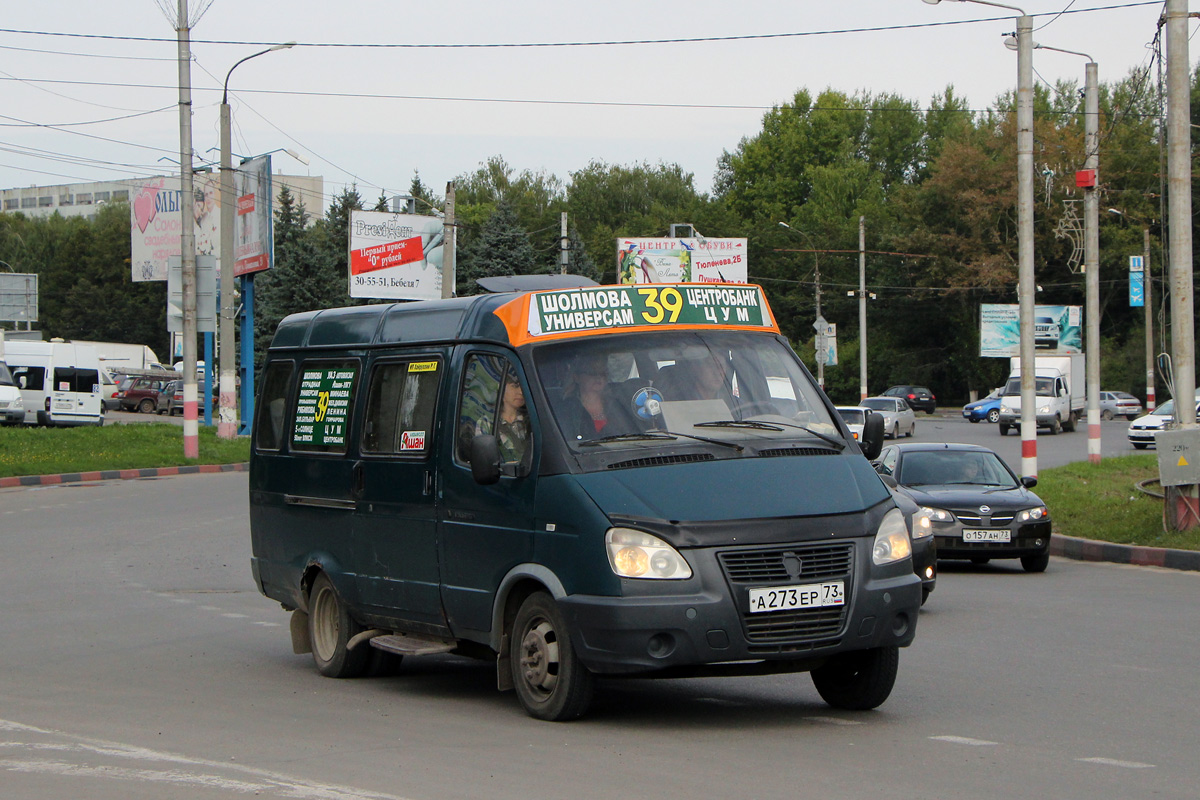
(793, 630)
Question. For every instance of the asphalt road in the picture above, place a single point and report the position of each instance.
(139, 661)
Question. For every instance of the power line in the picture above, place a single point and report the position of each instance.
(597, 43)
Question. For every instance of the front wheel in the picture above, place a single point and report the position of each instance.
(1140, 445)
(1056, 427)
(858, 681)
(1106, 415)
(1004, 430)
(330, 627)
(551, 683)
(1036, 562)
(994, 415)
(895, 431)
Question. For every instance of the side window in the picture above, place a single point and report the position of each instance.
(268, 434)
(888, 462)
(493, 403)
(322, 420)
(70, 379)
(33, 378)
(400, 406)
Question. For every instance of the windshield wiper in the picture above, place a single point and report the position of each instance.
(632, 437)
(769, 426)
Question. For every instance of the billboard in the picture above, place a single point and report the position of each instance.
(681, 260)
(157, 226)
(395, 256)
(253, 232)
(1056, 329)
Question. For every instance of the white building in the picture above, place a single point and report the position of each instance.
(84, 199)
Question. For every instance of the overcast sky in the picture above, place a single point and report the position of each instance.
(373, 115)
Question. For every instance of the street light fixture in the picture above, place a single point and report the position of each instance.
(227, 421)
(1025, 279)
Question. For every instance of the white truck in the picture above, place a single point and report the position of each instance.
(121, 358)
(1060, 388)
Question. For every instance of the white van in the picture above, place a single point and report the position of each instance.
(59, 382)
(12, 407)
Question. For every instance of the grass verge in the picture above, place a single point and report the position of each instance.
(1100, 501)
(49, 451)
(1091, 501)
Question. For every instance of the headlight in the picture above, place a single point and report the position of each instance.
(891, 540)
(636, 554)
(18, 403)
(1004, 409)
(1033, 514)
(925, 517)
(1044, 409)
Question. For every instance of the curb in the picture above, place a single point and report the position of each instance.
(1137, 555)
(120, 474)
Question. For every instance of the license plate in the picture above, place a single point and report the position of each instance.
(970, 535)
(784, 598)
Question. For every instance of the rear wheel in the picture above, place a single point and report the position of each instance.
(858, 681)
(1036, 562)
(146, 406)
(551, 682)
(330, 627)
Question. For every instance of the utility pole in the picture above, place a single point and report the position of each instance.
(1179, 196)
(564, 244)
(1026, 284)
(187, 238)
(862, 308)
(821, 352)
(1146, 282)
(448, 246)
(1091, 258)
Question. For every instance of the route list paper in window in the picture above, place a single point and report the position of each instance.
(323, 406)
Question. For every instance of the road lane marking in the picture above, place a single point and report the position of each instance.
(833, 721)
(1112, 762)
(964, 740)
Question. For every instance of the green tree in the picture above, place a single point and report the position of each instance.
(502, 247)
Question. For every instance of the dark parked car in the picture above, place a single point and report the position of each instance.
(977, 508)
(141, 394)
(919, 397)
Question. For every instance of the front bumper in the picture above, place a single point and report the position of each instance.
(1043, 420)
(703, 624)
(1142, 435)
(1028, 539)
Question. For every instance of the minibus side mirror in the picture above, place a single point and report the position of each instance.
(485, 459)
(872, 436)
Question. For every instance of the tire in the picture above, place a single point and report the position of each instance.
(330, 627)
(912, 430)
(1004, 430)
(1071, 423)
(994, 415)
(972, 420)
(551, 683)
(858, 681)
(1106, 414)
(895, 431)
(1056, 427)
(925, 592)
(1140, 445)
(1036, 562)
(146, 406)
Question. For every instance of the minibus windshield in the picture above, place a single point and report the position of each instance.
(6, 378)
(643, 389)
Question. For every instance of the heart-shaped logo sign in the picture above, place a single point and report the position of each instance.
(144, 206)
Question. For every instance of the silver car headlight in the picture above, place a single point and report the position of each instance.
(637, 554)
(925, 517)
(1033, 514)
(891, 540)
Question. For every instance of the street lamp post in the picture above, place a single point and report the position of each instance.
(227, 420)
(817, 293)
(1148, 305)
(1025, 278)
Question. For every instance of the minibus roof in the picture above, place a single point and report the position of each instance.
(518, 318)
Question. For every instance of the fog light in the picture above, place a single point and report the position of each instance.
(899, 625)
(1037, 542)
(929, 572)
(661, 645)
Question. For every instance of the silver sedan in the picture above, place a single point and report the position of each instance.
(898, 416)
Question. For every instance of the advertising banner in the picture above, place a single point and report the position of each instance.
(1056, 329)
(395, 256)
(253, 232)
(157, 225)
(681, 260)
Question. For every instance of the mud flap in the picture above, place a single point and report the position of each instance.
(504, 678)
(301, 643)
